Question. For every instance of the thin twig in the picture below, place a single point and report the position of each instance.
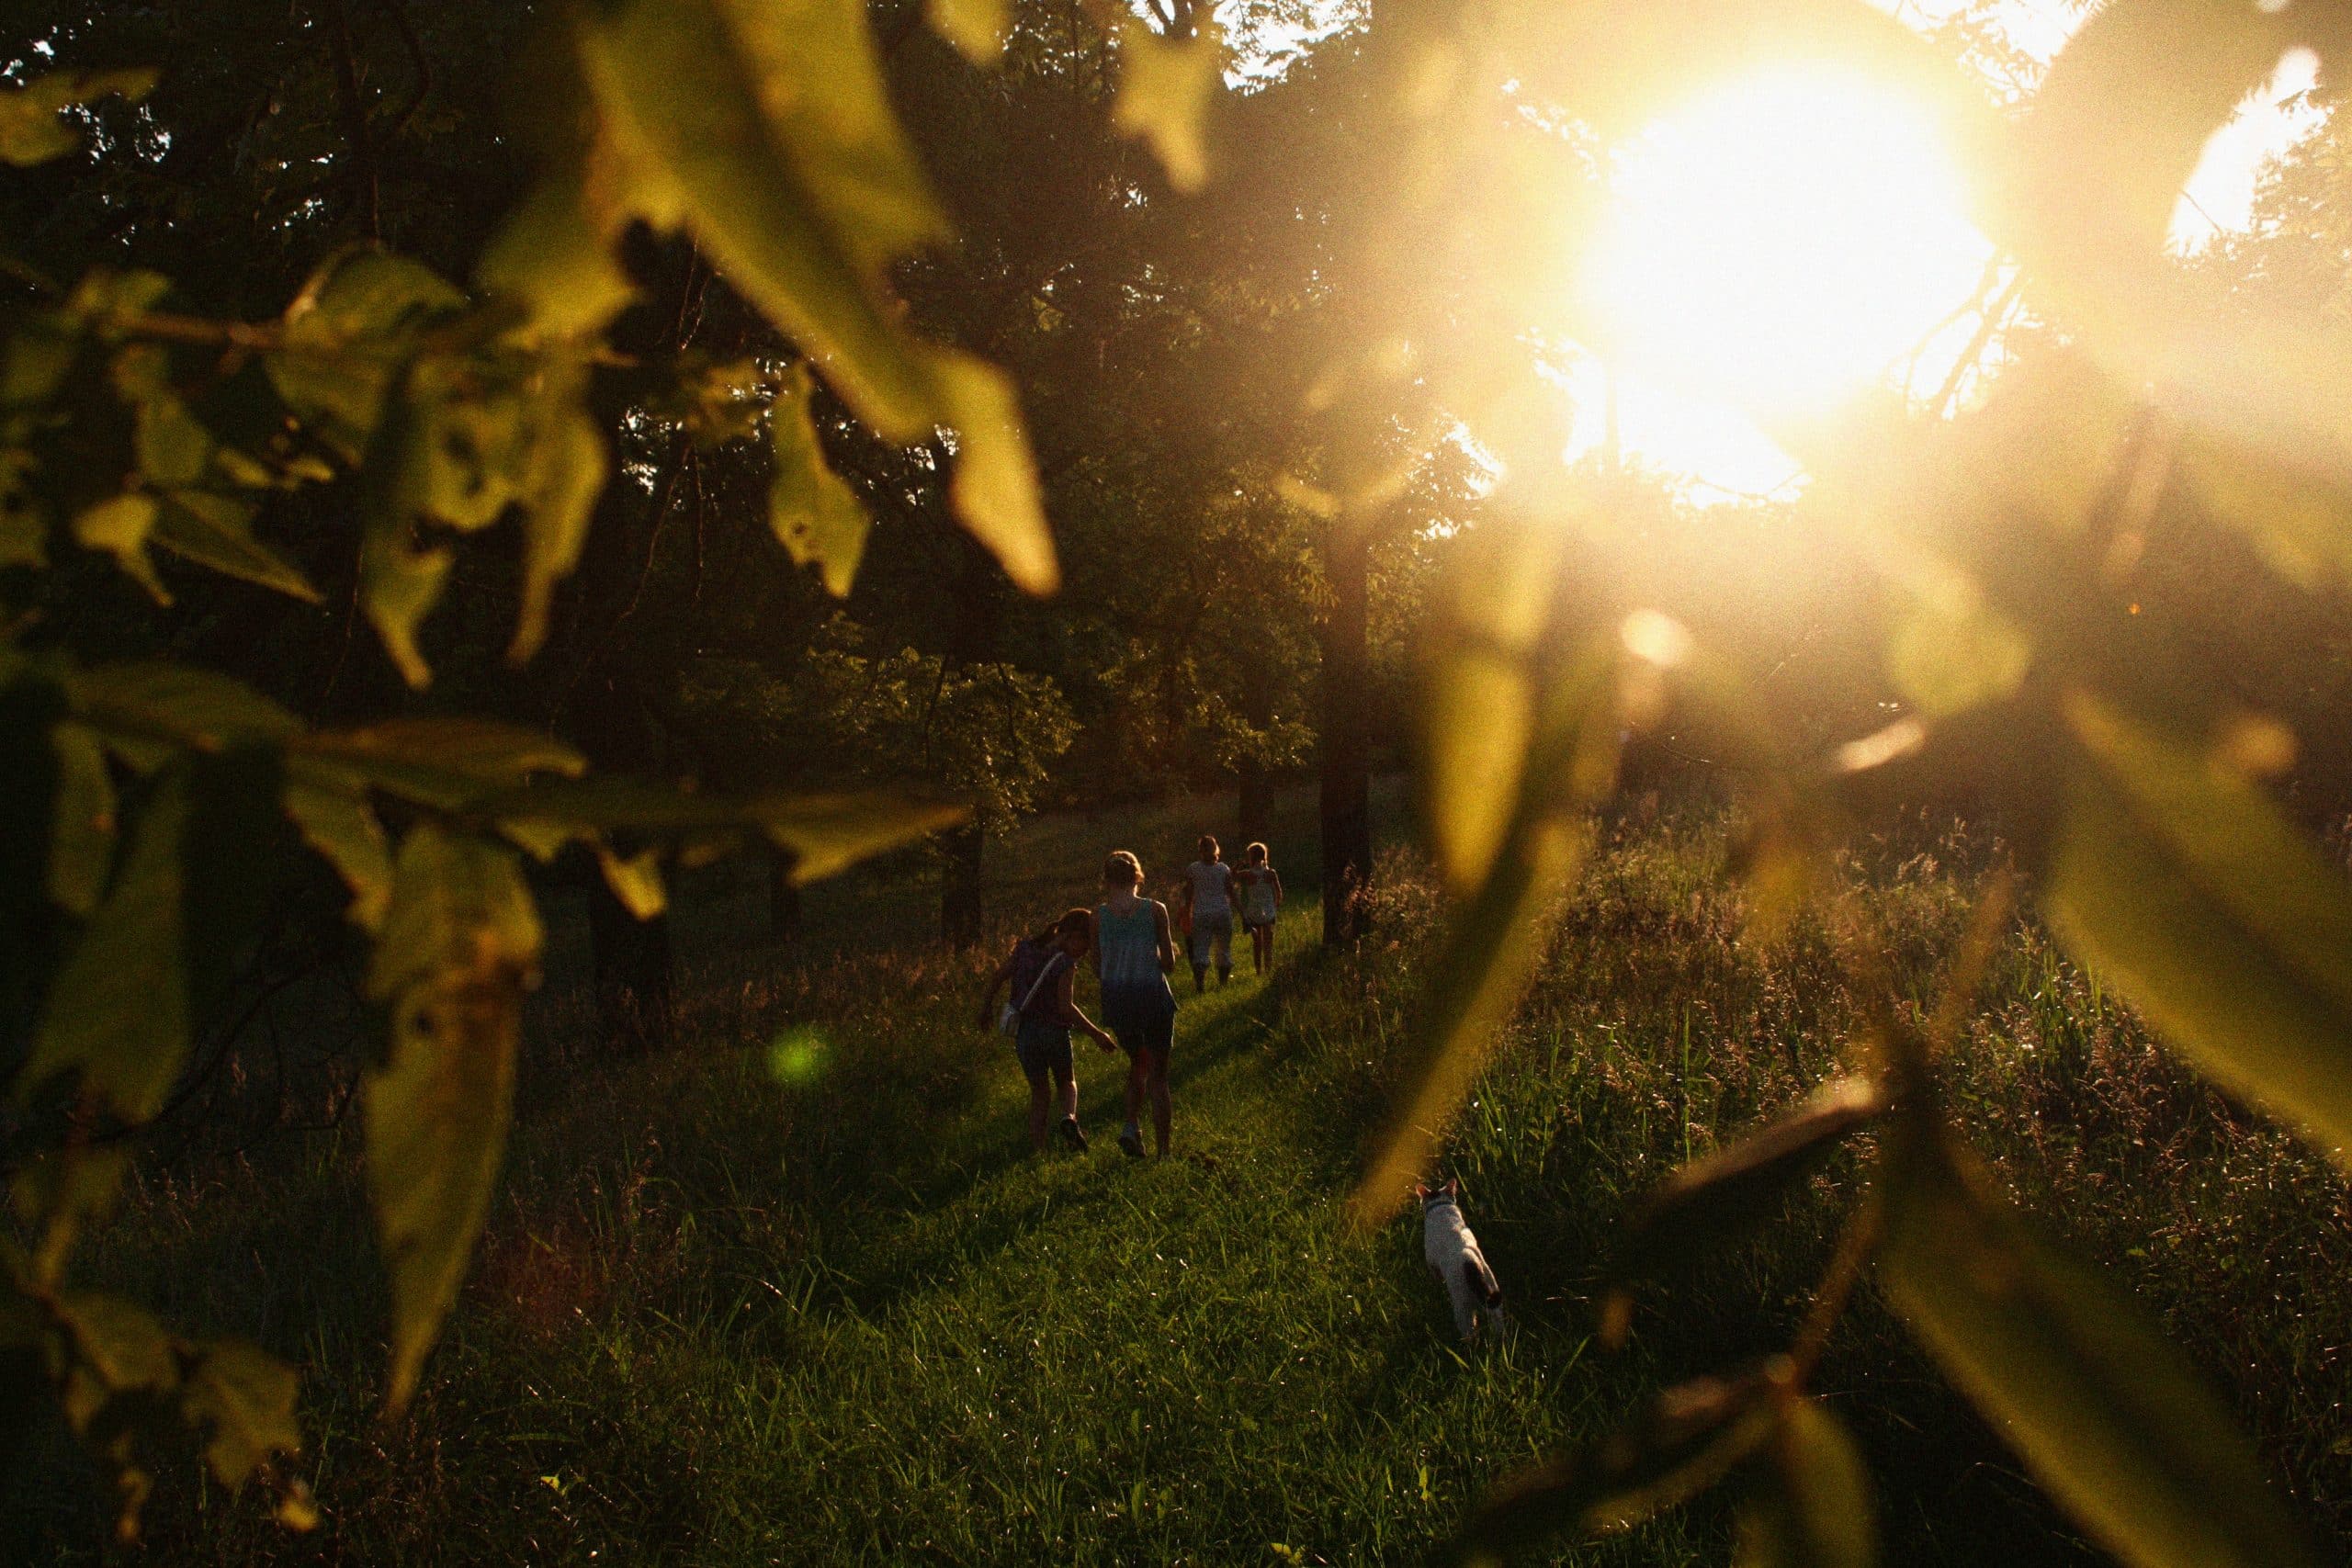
(1996, 316)
(354, 118)
(398, 11)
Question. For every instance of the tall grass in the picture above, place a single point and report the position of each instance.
(797, 1293)
(1658, 1030)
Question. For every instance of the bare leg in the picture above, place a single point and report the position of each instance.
(1038, 1101)
(1223, 950)
(1138, 1070)
(1161, 1107)
(1067, 1085)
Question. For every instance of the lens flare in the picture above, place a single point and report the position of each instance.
(1779, 242)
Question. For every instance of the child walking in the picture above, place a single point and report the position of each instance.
(1135, 955)
(1262, 899)
(1209, 914)
(1039, 971)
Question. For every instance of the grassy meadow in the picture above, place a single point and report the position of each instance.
(796, 1293)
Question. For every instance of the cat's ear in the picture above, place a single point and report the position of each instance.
(1453, 1187)
(1419, 1190)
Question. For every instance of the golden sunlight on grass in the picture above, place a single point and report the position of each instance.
(1780, 241)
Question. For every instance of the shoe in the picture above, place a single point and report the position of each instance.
(1131, 1141)
(1073, 1135)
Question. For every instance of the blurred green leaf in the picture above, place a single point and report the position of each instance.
(1166, 86)
(1478, 701)
(474, 445)
(1494, 939)
(173, 445)
(2300, 521)
(1690, 1437)
(994, 489)
(119, 525)
(2087, 1391)
(2094, 173)
(484, 751)
(635, 881)
(824, 831)
(104, 296)
(80, 848)
(336, 819)
(2177, 878)
(568, 474)
(554, 255)
(2124, 114)
(363, 295)
(1815, 1510)
(116, 1367)
(1951, 656)
(118, 1012)
(976, 28)
(459, 944)
(811, 509)
(399, 581)
(242, 1402)
(32, 127)
(764, 130)
(829, 833)
(347, 339)
(134, 1391)
(215, 530)
(176, 705)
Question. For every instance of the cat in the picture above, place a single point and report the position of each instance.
(1455, 1257)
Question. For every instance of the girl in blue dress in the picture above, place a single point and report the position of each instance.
(1135, 953)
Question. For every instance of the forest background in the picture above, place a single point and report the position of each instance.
(1232, 609)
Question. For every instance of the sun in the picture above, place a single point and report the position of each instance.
(1778, 243)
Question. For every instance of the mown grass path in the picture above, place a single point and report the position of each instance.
(1095, 1359)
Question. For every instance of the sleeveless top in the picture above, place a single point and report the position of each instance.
(1130, 948)
(1209, 882)
(1034, 995)
(1261, 894)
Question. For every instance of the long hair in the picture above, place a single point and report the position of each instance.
(1208, 846)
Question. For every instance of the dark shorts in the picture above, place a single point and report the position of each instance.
(1043, 1048)
(1143, 1017)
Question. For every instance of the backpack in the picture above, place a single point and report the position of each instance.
(1033, 965)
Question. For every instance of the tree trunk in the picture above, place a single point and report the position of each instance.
(635, 995)
(784, 898)
(1254, 809)
(1253, 821)
(635, 1002)
(1346, 760)
(959, 887)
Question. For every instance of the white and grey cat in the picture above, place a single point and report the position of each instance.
(1455, 1257)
